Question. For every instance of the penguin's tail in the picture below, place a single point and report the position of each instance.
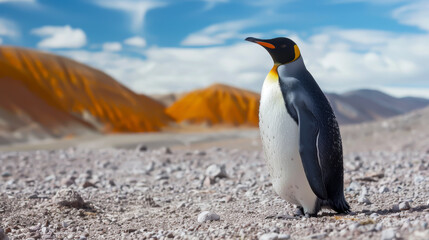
(339, 204)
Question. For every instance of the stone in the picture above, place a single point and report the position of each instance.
(283, 237)
(364, 200)
(317, 236)
(6, 174)
(404, 206)
(383, 189)
(208, 216)
(354, 186)
(88, 184)
(269, 236)
(388, 234)
(69, 198)
(216, 171)
(141, 148)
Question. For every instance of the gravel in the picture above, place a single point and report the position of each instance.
(160, 194)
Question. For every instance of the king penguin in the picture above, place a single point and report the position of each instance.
(300, 135)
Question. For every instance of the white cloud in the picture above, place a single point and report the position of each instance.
(210, 4)
(60, 37)
(182, 69)
(135, 41)
(8, 28)
(137, 9)
(217, 33)
(339, 59)
(414, 14)
(112, 46)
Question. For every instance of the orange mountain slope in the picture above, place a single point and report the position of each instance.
(217, 104)
(76, 90)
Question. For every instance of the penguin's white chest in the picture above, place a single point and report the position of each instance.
(280, 140)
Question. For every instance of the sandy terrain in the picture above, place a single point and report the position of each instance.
(159, 193)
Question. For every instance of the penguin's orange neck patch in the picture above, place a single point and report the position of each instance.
(273, 76)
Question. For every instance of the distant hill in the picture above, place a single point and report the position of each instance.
(60, 97)
(217, 104)
(352, 107)
(367, 105)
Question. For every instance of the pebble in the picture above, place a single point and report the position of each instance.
(363, 199)
(269, 236)
(404, 206)
(317, 236)
(6, 174)
(283, 236)
(141, 148)
(69, 198)
(208, 216)
(354, 186)
(216, 171)
(383, 189)
(388, 234)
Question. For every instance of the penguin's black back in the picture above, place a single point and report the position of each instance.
(296, 80)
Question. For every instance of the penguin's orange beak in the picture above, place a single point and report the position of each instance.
(261, 42)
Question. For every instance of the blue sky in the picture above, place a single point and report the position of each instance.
(170, 45)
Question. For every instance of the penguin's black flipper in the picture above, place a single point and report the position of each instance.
(308, 133)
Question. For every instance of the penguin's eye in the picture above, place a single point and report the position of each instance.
(283, 46)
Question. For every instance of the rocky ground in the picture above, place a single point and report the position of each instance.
(163, 193)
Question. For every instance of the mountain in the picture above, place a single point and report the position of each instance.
(217, 104)
(367, 105)
(59, 96)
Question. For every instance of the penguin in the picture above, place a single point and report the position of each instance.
(300, 135)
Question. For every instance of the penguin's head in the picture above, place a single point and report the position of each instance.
(282, 50)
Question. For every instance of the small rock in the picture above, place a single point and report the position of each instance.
(216, 171)
(419, 179)
(33, 196)
(364, 191)
(269, 236)
(162, 176)
(388, 234)
(88, 184)
(353, 166)
(317, 236)
(150, 167)
(208, 216)
(69, 198)
(141, 148)
(68, 181)
(363, 199)
(170, 235)
(354, 186)
(383, 189)
(34, 228)
(404, 206)
(6, 174)
(166, 150)
(283, 236)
